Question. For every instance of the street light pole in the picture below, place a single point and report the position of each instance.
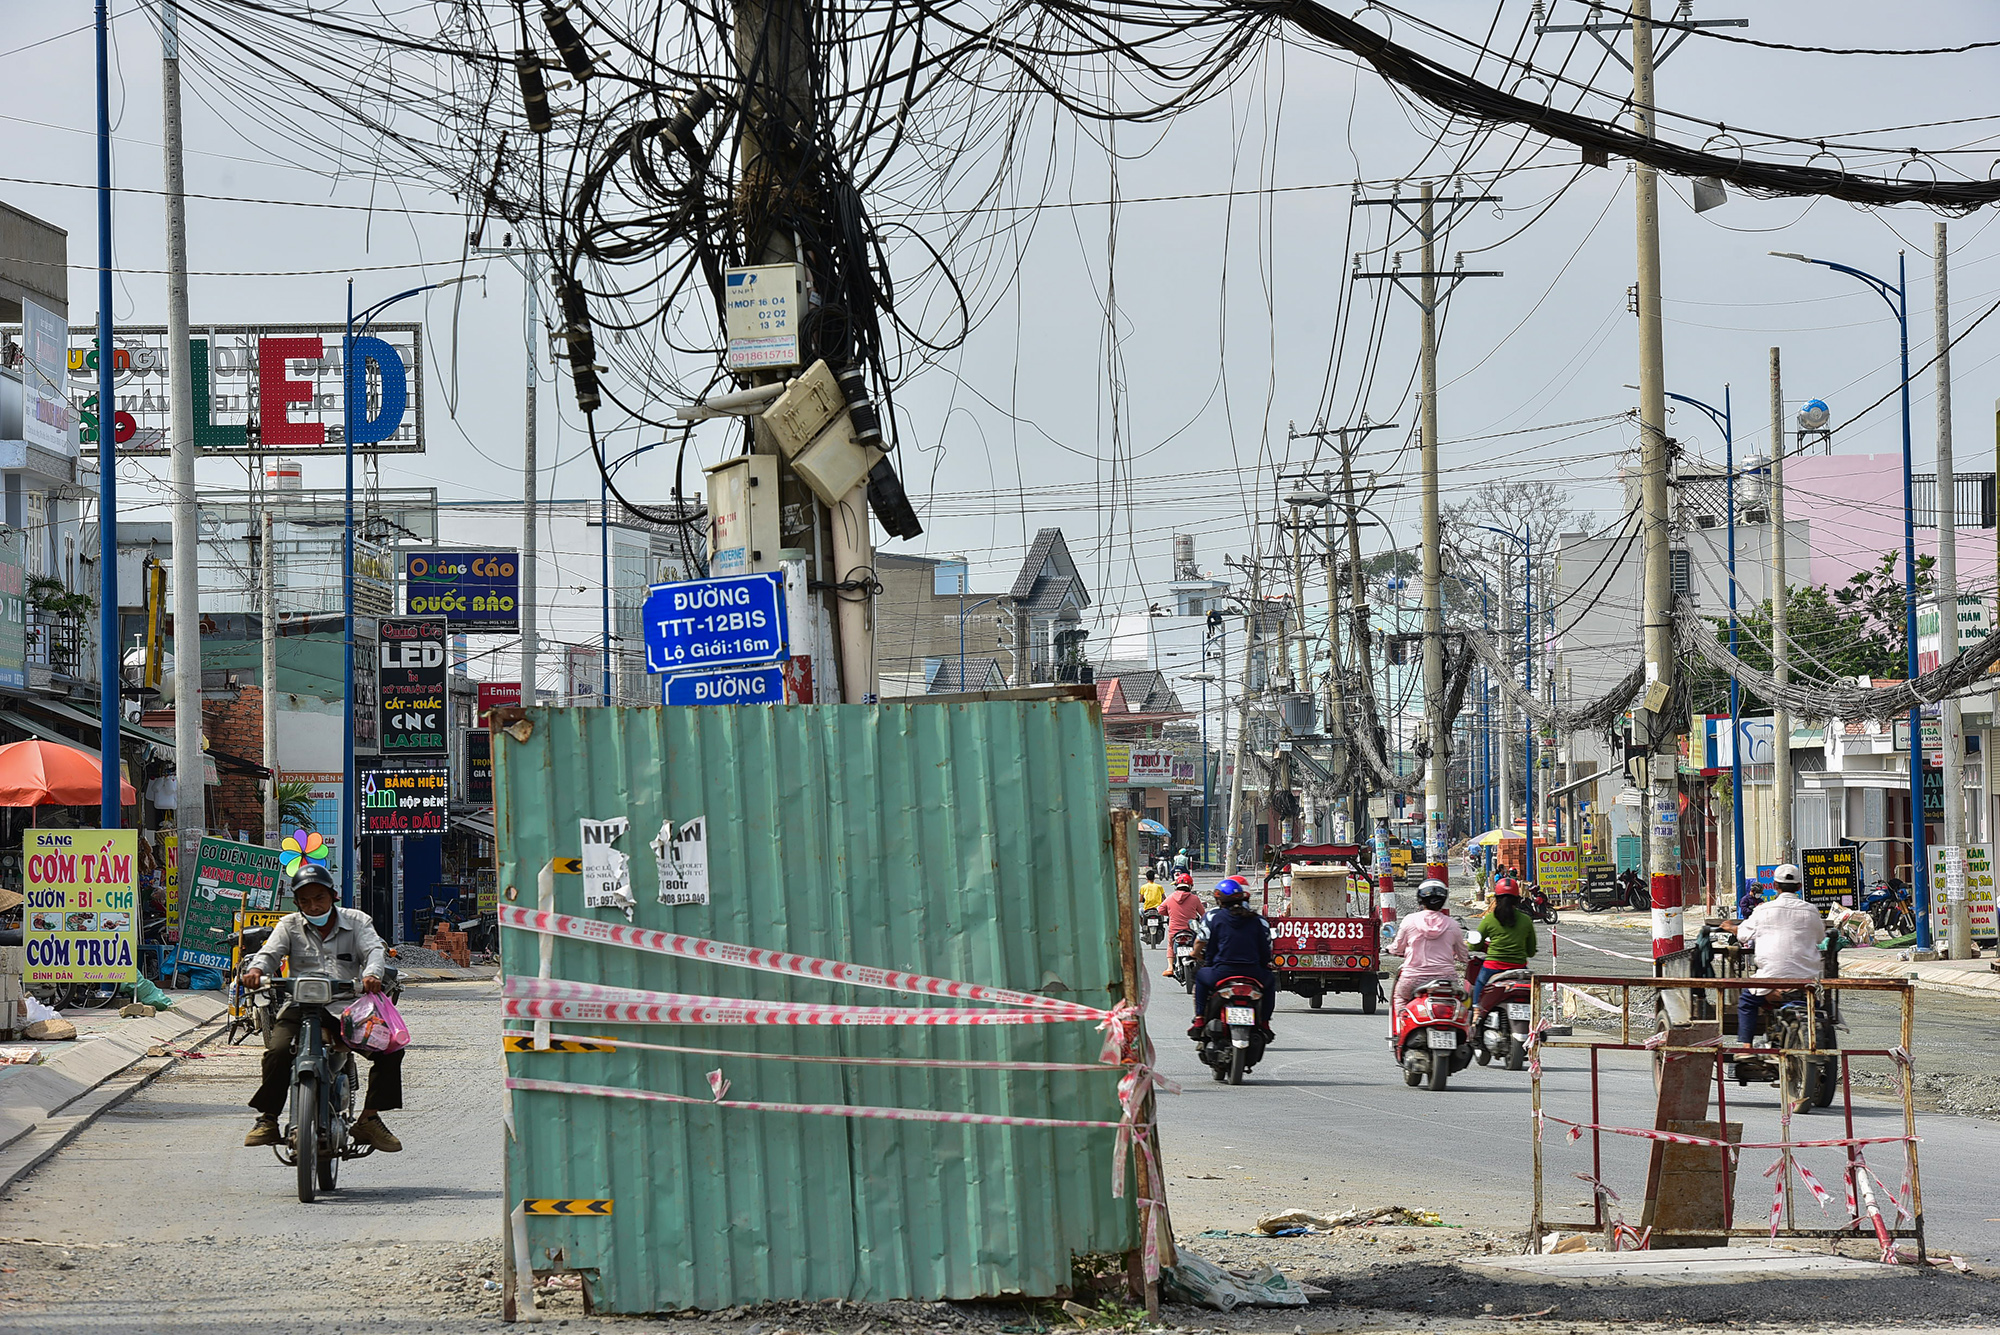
(1204, 678)
(112, 813)
(1721, 417)
(604, 548)
(1896, 295)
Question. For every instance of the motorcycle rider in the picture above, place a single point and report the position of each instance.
(1787, 933)
(1181, 863)
(343, 944)
(1430, 943)
(1183, 908)
(1232, 941)
(1152, 894)
(1509, 933)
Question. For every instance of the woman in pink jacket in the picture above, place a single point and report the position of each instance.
(1430, 942)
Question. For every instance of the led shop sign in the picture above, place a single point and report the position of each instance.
(262, 389)
(475, 591)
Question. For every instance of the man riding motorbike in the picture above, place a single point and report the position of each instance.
(1509, 933)
(1231, 941)
(1183, 907)
(1151, 894)
(1430, 943)
(342, 944)
(1787, 933)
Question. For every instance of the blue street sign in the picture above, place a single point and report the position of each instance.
(707, 623)
(761, 685)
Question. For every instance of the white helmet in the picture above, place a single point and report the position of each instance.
(1786, 877)
(1432, 894)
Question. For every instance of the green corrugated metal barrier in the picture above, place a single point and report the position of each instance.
(966, 840)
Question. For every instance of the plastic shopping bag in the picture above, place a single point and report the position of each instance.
(373, 1024)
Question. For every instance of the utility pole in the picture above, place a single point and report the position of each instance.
(1781, 633)
(1951, 722)
(267, 609)
(1437, 766)
(190, 766)
(1655, 454)
(1250, 629)
(524, 263)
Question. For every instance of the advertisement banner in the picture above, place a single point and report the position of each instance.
(170, 879)
(14, 610)
(479, 767)
(229, 878)
(47, 417)
(367, 695)
(411, 676)
(258, 389)
(492, 695)
(1832, 875)
(1151, 766)
(1118, 762)
(1977, 867)
(399, 802)
(473, 591)
(81, 919)
(1557, 869)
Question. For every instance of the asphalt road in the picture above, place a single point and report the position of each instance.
(1327, 1123)
(156, 1218)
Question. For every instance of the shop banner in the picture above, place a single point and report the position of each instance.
(400, 802)
(475, 591)
(82, 912)
(1974, 883)
(411, 671)
(229, 878)
(1556, 870)
(494, 695)
(1832, 875)
(479, 767)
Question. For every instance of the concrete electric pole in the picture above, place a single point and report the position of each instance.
(1428, 297)
(190, 766)
(1951, 722)
(1781, 630)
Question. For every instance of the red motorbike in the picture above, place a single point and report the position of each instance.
(1432, 1034)
(1183, 957)
(1503, 1031)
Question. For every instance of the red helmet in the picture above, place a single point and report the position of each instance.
(1506, 885)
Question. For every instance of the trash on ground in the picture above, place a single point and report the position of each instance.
(33, 1010)
(20, 1056)
(1198, 1280)
(1290, 1223)
(1575, 1242)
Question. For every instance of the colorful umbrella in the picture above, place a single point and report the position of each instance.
(41, 774)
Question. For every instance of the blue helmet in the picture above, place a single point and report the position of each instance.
(1230, 887)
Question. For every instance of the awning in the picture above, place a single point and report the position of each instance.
(1154, 827)
(35, 728)
(84, 718)
(476, 822)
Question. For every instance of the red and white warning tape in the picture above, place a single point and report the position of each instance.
(770, 961)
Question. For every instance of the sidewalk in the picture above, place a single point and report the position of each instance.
(1969, 977)
(43, 1105)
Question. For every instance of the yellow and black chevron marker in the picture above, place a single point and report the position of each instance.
(567, 866)
(566, 1207)
(526, 1043)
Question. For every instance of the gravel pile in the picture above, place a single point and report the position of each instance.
(418, 957)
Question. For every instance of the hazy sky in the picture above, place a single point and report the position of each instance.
(1226, 306)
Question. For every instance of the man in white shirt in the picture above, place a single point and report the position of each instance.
(1787, 934)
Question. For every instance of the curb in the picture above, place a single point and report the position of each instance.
(72, 1072)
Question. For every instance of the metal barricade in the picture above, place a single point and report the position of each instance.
(1699, 1040)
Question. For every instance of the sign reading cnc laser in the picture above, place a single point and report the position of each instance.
(274, 389)
(708, 623)
(411, 669)
(401, 802)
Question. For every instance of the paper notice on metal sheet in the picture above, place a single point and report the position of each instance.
(607, 872)
(682, 852)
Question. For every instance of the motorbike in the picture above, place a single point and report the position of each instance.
(1889, 907)
(1794, 1023)
(1183, 955)
(1432, 1035)
(1152, 926)
(315, 1136)
(1540, 907)
(1231, 1041)
(1503, 1030)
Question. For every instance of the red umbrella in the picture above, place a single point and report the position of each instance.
(39, 774)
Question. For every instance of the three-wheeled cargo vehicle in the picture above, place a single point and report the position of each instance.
(1325, 928)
